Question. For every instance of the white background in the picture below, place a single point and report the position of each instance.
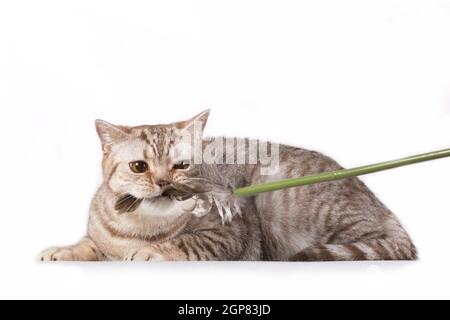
(363, 81)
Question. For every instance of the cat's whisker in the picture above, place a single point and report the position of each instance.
(136, 202)
(125, 198)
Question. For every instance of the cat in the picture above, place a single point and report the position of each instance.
(132, 219)
(157, 204)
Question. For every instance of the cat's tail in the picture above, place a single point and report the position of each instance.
(374, 249)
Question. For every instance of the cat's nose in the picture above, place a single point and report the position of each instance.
(162, 183)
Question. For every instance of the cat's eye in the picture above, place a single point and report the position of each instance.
(139, 166)
(182, 165)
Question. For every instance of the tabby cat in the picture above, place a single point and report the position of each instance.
(140, 214)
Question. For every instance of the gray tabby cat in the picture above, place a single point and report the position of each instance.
(156, 204)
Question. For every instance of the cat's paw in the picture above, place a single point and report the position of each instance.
(57, 254)
(146, 254)
(85, 250)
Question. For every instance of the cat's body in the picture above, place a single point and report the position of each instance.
(166, 229)
(340, 220)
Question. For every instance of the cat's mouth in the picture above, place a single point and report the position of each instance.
(175, 191)
(180, 192)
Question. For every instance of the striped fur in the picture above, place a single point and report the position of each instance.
(130, 219)
(332, 221)
(375, 249)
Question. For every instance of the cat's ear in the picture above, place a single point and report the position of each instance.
(199, 121)
(109, 134)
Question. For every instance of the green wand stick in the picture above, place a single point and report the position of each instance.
(339, 174)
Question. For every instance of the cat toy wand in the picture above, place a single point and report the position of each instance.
(339, 174)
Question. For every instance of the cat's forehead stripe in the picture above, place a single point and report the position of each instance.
(159, 138)
(144, 136)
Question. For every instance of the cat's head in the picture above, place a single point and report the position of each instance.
(144, 161)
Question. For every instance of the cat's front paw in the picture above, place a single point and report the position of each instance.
(146, 254)
(57, 254)
(85, 250)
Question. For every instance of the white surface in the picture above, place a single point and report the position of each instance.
(363, 81)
